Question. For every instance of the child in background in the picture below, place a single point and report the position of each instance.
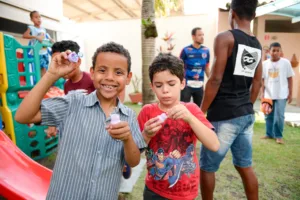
(173, 169)
(266, 53)
(278, 88)
(77, 79)
(37, 33)
(91, 154)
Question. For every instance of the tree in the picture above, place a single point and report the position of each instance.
(149, 33)
(148, 50)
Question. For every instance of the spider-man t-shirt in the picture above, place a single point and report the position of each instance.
(172, 164)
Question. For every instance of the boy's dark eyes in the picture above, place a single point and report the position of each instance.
(158, 86)
(119, 73)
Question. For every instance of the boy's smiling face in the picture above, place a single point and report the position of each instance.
(110, 74)
(167, 88)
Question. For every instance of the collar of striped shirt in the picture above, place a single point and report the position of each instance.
(92, 99)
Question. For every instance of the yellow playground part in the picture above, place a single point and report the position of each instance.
(5, 111)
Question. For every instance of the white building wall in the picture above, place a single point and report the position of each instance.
(18, 10)
(128, 33)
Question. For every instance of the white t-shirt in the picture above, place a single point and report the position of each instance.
(34, 31)
(275, 75)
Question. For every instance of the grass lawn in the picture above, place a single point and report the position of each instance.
(277, 168)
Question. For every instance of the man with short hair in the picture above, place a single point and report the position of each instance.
(196, 62)
(230, 92)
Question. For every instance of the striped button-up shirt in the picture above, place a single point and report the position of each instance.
(89, 162)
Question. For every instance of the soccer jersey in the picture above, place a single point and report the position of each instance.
(195, 60)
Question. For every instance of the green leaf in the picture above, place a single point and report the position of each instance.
(144, 22)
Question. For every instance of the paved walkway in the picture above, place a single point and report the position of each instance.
(292, 113)
(127, 185)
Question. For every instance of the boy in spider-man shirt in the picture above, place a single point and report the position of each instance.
(173, 169)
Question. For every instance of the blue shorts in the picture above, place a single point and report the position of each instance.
(44, 60)
(235, 134)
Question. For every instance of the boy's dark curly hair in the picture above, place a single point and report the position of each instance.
(245, 9)
(113, 48)
(275, 44)
(65, 45)
(31, 13)
(166, 61)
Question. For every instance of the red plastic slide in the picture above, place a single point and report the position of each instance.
(20, 176)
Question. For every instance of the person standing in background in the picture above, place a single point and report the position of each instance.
(277, 84)
(196, 62)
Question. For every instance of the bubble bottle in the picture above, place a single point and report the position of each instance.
(162, 117)
(74, 57)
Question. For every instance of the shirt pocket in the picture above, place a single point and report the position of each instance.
(114, 148)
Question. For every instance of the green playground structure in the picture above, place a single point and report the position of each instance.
(19, 72)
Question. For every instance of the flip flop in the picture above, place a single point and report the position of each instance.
(263, 104)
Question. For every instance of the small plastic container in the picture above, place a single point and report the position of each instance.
(74, 57)
(115, 118)
(162, 117)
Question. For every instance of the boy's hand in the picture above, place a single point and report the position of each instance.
(152, 126)
(60, 65)
(40, 38)
(180, 112)
(290, 98)
(266, 108)
(119, 131)
(51, 131)
(175, 154)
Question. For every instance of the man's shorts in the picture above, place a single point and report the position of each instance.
(235, 134)
(44, 61)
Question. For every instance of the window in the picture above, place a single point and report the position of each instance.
(281, 26)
